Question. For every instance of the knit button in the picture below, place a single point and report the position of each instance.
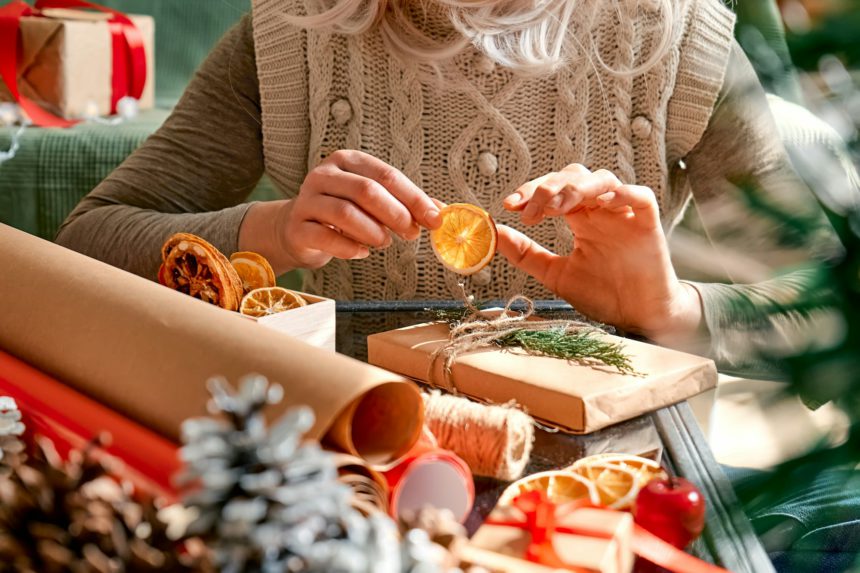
(488, 164)
(482, 277)
(484, 64)
(341, 111)
(641, 127)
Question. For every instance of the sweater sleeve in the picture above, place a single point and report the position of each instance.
(192, 175)
(738, 171)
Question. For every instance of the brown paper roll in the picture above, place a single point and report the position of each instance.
(369, 486)
(147, 351)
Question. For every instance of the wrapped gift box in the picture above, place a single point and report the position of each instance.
(602, 542)
(65, 63)
(313, 323)
(575, 397)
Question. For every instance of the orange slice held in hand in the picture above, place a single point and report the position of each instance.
(466, 240)
(192, 266)
(253, 269)
(270, 300)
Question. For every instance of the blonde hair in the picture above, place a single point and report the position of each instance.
(530, 36)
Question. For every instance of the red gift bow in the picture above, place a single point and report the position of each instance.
(541, 516)
(129, 57)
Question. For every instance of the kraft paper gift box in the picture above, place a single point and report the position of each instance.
(602, 544)
(575, 397)
(65, 63)
(313, 323)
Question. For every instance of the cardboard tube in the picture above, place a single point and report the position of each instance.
(146, 351)
(430, 476)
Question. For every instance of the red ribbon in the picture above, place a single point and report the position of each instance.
(129, 57)
(540, 522)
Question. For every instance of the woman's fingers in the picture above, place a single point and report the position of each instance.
(370, 197)
(526, 255)
(325, 239)
(632, 200)
(560, 193)
(420, 206)
(350, 219)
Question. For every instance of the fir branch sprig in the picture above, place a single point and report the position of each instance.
(580, 346)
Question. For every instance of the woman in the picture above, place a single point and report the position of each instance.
(589, 118)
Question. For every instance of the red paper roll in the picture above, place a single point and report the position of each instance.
(70, 419)
(430, 476)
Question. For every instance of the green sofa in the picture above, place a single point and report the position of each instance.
(54, 168)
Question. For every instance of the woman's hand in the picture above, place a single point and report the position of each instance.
(619, 271)
(349, 203)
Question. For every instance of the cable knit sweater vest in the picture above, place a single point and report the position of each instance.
(483, 131)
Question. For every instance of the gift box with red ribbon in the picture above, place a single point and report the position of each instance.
(532, 534)
(63, 60)
(550, 537)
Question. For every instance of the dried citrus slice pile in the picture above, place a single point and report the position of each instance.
(617, 478)
(466, 240)
(270, 300)
(193, 266)
(245, 283)
(610, 480)
(254, 270)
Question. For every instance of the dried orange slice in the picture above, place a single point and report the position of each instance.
(253, 269)
(617, 477)
(560, 487)
(466, 240)
(271, 300)
(193, 266)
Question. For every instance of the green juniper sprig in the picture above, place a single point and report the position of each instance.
(580, 346)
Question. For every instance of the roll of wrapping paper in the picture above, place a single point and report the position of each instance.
(430, 475)
(369, 486)
(70, 420)
(146, 351)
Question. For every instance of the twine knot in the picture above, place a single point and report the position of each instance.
(477, 330)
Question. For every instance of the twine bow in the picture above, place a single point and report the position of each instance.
(476, 330)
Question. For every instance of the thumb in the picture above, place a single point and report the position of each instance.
(525, 254)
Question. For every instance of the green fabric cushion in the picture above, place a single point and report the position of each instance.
(55, 168)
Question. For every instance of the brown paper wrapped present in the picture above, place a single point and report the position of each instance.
(533, 534)
(65, 62)
(575, 397)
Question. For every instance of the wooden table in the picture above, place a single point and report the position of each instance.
(670, 435)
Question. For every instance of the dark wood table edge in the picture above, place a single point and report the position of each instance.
(729, 537)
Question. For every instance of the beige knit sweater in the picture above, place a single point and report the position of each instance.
(484, 131)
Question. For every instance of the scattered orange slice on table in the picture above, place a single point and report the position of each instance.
(271, 300)
(560, 487)
(194, 267)
(253, 269)
(466, 240)
(617, 478)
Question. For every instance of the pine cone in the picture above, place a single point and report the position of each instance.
(269, 501)
(73, 516)
(11, 446)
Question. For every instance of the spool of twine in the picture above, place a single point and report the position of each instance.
(495, 441)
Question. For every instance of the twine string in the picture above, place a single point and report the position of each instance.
(476, 330)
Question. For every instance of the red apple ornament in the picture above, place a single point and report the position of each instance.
(673, 509)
